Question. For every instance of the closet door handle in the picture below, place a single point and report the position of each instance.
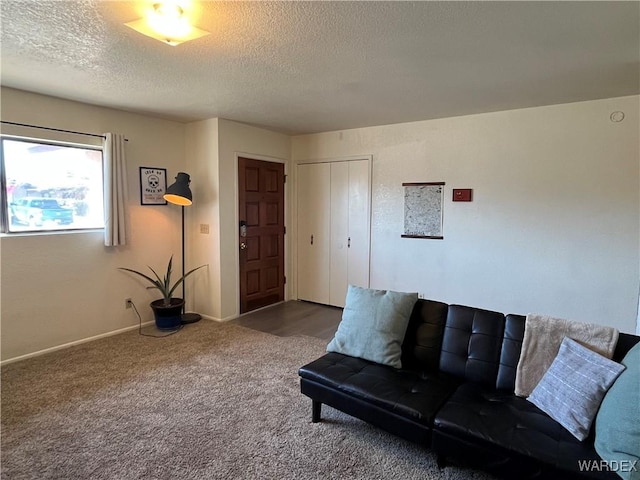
(349, 242)
(311, 239)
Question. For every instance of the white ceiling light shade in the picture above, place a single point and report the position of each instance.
(167, 22)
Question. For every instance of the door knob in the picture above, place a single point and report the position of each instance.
(243, 246)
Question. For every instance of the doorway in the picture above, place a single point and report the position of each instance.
(261, 233)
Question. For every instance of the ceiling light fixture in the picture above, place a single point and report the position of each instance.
(167, 22)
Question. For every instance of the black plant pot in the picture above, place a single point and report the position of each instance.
(168, 317)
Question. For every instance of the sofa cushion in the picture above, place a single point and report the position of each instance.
(373, 325)
(573, 387)
(617, 430)
(626, 342)
(497, 419)
(471, 344)
(510, 351)
(423, 340)
(404, 392)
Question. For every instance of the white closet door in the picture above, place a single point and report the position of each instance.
(349, 228)
(339, 268)
(314, 209)
(359, 223)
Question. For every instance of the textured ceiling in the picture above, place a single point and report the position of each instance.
(301, 67)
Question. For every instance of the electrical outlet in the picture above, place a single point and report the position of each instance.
(127, 303)
(204, 228)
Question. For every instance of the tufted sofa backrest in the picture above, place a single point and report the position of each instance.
(423, 339)
(626, 342)
(468, 342)
(476, 345)
(510, 353)
(472, 343)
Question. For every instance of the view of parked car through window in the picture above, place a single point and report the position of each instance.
(38, 211)
(51, 186)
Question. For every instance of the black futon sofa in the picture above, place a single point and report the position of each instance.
(455, 393)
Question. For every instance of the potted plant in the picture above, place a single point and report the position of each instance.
(167, 310)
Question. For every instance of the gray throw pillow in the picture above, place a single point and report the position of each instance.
(373, 325)
(572, 389)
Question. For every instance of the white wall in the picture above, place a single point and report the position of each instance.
(554, 223)
(217, 143)
(237, 139)
(62, 288)
(203, 249)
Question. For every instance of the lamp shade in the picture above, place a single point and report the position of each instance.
(179, 192)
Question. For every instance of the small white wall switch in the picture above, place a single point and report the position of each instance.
(204, 228)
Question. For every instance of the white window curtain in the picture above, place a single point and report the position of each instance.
(115, 190)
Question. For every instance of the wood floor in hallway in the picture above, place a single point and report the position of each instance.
(294, 318)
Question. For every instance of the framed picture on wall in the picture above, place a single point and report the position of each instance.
(423, 203)
(153, 185)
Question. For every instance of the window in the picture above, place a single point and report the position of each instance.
(50, 186)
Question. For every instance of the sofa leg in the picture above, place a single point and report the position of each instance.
(316, 409)
(441, 461)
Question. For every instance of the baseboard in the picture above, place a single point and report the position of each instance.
(71, 344)
(235, 315)
(97, 337)
(219, 320)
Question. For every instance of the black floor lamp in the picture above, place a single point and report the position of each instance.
(179, 193)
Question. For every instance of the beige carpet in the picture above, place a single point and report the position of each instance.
(211, 402)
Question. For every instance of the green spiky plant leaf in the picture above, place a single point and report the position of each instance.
(163, 284)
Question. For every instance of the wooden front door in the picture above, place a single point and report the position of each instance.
(261, 233)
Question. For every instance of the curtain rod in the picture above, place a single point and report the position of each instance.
(56, 129)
